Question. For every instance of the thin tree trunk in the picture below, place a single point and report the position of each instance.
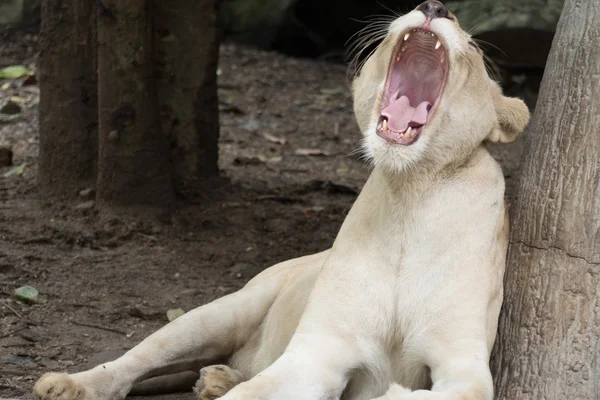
(68, 100)
(134, 152)
(187, 54)
(548, 345)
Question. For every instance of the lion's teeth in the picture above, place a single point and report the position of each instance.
(406, 36)
(443, 58)
(438, 44)
(398, 57)
(384, 125)
(408, 131)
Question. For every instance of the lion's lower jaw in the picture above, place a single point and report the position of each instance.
(392, 157)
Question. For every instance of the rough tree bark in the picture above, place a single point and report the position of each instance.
(68, 99)
(187, 90)
(145, 126)
(133, 165)
(548, 345)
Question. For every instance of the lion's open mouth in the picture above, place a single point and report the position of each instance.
(415, 81)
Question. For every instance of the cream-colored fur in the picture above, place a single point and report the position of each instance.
(405, 303)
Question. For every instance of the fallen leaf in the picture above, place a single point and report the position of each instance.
(174, 313)
(310, 152)
(23, 361)
(26, 294)
(5, 86)
(18, 99)
(15, 71)
(15, 171)
(274, 139)
(9, 118)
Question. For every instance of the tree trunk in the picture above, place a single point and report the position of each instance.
(68, 99)
(548, 345)
(187, 54)
(134, 153)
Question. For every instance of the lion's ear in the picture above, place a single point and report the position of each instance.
(513, 116)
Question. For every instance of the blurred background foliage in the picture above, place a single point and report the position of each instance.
(516, 34)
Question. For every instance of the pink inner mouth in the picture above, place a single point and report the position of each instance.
(416, 77)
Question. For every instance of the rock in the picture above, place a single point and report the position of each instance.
(88, 205)
(6, 157)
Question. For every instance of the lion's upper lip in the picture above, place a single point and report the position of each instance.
(415, 81)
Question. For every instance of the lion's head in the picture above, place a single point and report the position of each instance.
(424, 96)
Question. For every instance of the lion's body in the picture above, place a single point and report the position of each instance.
(407, 299)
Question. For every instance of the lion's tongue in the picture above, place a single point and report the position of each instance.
(400, 114)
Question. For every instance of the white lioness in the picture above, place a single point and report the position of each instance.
(405, 304)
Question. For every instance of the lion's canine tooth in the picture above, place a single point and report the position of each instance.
(438, 44)
(408, 131)
(384, 125)
(406, 36)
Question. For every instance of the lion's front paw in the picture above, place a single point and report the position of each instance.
(55, 386)
(215, 381)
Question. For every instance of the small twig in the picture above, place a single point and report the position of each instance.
(99, 327)
(11, 309)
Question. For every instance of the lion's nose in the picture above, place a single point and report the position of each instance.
(433, 9)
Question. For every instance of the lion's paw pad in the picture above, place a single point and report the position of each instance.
(215, 381)
(55, 386)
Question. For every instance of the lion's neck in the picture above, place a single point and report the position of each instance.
(390, 201)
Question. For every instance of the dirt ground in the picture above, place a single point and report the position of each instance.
(289, 154)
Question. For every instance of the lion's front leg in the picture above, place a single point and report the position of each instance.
(208, 332)
(314, 367)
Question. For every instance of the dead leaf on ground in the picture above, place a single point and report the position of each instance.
(174, 313)
(17, 99)
(26, 294)
(274, 139)
(311, 152)
(9, 118)
(14, 72)
(15, 171)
